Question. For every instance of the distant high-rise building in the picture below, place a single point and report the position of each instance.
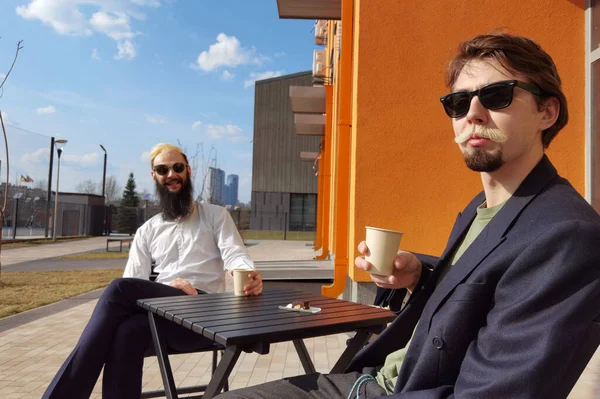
(231, 190)
(214, 186)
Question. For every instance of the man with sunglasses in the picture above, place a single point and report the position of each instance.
(508, 310)
(192, 245)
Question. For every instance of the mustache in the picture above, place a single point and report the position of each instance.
(173, 180)
(493, 134)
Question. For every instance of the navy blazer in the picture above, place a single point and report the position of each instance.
(509, 318)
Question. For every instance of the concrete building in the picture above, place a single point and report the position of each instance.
(284, 187)
(214, 185)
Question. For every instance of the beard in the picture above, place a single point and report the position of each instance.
(481, 161)
(175, 204)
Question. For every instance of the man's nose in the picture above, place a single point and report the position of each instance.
(477, 112)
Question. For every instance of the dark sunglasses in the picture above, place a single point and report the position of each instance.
(163, 170)
(494, 96)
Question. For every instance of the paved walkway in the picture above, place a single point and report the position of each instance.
(30, 354)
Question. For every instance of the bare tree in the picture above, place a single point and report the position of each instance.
(3, 208)
(112, 189)
(87, 186)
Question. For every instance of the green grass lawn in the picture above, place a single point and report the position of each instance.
(21, 291)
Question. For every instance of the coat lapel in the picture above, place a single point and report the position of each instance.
(491, 236)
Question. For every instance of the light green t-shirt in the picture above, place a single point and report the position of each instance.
(387, 375)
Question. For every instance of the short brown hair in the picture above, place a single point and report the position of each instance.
(521, 55)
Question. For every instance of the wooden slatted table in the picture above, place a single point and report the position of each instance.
(253, 323)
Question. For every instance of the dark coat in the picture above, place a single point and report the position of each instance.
(509, 319)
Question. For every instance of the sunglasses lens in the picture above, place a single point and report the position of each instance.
(178, 167)
(161, 169)
(496, 96)
(457, 104)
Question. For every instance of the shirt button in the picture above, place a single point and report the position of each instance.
(438, 342)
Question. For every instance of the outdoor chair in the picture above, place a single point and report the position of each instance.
(580, 359)
(191, 389)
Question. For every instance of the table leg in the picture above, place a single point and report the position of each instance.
(354, 345)
(160, 347)
(304, 356)
(220, 376)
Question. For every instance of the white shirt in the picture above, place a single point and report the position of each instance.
(198, 248)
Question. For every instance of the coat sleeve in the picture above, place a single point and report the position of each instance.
(394, 298)
(544, 306)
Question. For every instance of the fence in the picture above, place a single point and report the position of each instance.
(27, 217)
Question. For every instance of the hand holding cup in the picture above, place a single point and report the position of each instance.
(403, 268)
(246, 282)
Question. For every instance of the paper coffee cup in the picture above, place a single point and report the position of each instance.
(240, 280)
(383, 246)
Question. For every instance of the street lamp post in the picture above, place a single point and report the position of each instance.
(104, 172)
(60, 145)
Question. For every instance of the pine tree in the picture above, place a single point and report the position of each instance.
(127, 220)
(130, 196)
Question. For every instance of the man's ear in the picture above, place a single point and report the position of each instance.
(550, 110)
(153, 174)
(189, 170)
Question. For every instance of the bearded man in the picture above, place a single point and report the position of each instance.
(192, 245)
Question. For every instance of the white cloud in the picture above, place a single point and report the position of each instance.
(63, 16)
(155, 118)
(226, 52)
(82, 17)
(95, 55)
(279, 54)
(83, 160)
(2, 76)
(260, 76)
(227, 76)
(225, 132)
(46, 110)
(145, 157)
(196, 124)
(38, 156)
(126, 50)
(149, 3)
(116, 25)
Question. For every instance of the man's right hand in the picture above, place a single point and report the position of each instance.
(184, 286)
(406, 274)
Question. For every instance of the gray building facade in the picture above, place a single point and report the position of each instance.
(284, 188)
(215, 186)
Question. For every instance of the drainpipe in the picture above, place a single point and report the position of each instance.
(341, 263)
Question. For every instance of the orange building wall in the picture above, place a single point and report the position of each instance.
(407, 172)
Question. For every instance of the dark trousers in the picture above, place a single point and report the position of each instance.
(116, 337)
(311, 386)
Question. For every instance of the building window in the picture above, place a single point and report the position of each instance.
(303, 212)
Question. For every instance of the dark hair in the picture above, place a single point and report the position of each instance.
(519, 55)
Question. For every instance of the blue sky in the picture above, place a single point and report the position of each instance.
(128, 74)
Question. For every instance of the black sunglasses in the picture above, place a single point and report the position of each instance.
(163, 170)
(494, 96)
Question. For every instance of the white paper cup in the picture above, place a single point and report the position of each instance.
(240, 280)
(383, 246)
